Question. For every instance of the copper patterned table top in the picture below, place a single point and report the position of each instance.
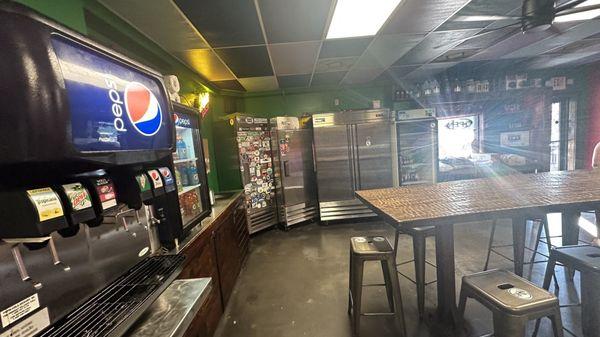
(468, 200)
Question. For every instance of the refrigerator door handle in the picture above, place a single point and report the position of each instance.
(357, 160)
(351, 155)
(286, 168)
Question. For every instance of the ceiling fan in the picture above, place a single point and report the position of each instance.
(539, 14)
(536, 15)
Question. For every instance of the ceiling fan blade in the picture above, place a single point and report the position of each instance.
(476, 36)
(475, 18)
(577, 10)
(568, 5)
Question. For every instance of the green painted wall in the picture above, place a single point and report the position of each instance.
(317, 100)
(67, 12)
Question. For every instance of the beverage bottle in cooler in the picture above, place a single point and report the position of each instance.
(181, 148)
(192, 172)
(178, 180)
(183, 174)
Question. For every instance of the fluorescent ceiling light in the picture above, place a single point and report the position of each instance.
(587, 15)
(353, 18)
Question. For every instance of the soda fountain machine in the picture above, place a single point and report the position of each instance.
(88, 200)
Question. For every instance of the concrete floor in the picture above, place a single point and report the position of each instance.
(295, 283)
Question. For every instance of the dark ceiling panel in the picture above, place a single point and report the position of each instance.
(421, 16)
(510, 44)
(293, 81)
(400, 72)
(229, 85)
(456, 55)
(224, 23)
(488, 38)
(483, 8)
(344, 47)
(293, 20)
(247, 61)
(331, 78)
(433, 46)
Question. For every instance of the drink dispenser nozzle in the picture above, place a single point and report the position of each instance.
(38, 213)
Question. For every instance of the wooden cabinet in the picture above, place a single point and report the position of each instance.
(219, 253)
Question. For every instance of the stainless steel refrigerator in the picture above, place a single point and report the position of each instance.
(295, 180)
(256, 167)
(417, 149)
(353, 151)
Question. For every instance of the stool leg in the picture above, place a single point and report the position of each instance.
(388, 284)
(597, 213)
(549, 247)
(350, 285)
(357, 275)
(419, 255)
(462, 303)
(537, 244)
(557, 323)
(549, 272)
(396, 239)
(489, 250)
(398, 310)
(509, 326)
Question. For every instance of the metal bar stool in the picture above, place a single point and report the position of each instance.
(419, 236)
(585, 259)
(376, 248)
(543, 225)
(513, 301)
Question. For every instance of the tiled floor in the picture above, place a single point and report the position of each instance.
(295, 283)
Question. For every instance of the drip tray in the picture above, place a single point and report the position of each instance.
(114, 309)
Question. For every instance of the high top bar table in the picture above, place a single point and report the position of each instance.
(519, 197)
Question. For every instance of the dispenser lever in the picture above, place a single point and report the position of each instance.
(55, 259)
(122, 215)
(16, 253)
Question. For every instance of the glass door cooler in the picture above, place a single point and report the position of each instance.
(190, 168)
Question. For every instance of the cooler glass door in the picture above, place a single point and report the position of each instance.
(374, 160)
(417, 151)
(188, 172)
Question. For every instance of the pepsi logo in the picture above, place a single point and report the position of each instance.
(143, 109)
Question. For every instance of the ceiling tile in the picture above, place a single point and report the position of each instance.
(294, 58)
(581, 46)
(206, 63)
(421, 16)
(330, 78)
(224, 23)
(456, 55)
(247, 61)
(174, 33)
(510, 44)
(293, 20)
(430, 70)
(344, 47)
(434, 45)
(550, 61)
(293, 81)
(335, 64)
(401, 72)
(387, 49)
(561, 38)
(483, 8)
(362, 75)
(265, 83)
(229, 85)
(488, 38)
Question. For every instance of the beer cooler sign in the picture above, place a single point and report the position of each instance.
(113, 107)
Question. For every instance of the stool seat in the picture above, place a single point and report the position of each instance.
(512, 300)
(370, 245)
(509, 293)
(584, 258)
(425, 230)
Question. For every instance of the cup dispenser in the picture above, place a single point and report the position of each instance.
(28, 217)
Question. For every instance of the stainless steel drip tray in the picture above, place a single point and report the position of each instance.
(113, 310)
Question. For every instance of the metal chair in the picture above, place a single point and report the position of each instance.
(585, 259)
(419, 236)
(376, 248)
(513, 301)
